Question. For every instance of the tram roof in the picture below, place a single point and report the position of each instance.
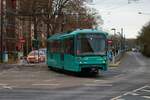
(68, 34)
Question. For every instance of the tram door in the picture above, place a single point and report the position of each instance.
(62, 54)
(68, 54)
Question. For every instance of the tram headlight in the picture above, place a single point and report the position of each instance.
(79, 60)
(103, 61)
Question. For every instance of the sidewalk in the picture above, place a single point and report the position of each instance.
(115, 64)
(117, 60)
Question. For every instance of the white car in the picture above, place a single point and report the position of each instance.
(134, 49)
(36, 56)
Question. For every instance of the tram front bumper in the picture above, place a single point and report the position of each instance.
(93, 67)
(92, 62)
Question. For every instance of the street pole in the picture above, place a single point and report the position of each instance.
(1, 42)
(114, 31)
(128, 1)
(114, 39)
(77, 19)
(114, 48)
(122, 39)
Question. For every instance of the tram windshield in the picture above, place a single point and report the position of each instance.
(91, 44)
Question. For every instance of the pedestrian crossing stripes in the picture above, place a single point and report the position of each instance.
(142, 93)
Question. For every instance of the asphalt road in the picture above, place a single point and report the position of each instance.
(129, 81)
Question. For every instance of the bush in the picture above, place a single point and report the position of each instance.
(146, 51)
(144, 40)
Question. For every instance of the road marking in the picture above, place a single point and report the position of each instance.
(132, 93)
(116, 98)
(140, 88)
(146, 97)
(3, 84)
(49, 80)
(102, 81)
(98, 80)
(118, 76)
(46, 84)
(7, 87)
(145, 90)
(109, 85)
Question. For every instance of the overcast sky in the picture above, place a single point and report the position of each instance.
(119, 14)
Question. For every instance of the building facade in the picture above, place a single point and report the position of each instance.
(8, 26)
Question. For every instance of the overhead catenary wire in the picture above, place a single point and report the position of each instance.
(110, 5)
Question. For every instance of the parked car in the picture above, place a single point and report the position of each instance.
(43, 50)
(134, 49)
(36, 56)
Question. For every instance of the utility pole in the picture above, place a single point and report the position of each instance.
(115, 44)
(122, 39)
(1, 41)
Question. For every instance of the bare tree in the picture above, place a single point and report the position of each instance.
(52, 12)
(56, 15)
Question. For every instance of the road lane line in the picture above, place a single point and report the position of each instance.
(98, 80)
(102, 81)
(146, 97)
(49, 80)
(7, 87)
(109, 85)
(46, 84)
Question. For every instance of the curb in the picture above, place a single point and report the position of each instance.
(115, 65)
(8, 66)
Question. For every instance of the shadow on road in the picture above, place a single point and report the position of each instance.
(77, 74)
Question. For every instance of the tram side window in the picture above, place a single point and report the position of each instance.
(55, 46)
(69, 46)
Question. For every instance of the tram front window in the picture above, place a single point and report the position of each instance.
(91, 44)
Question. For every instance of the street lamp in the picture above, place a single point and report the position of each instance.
(143, 13)
(129, 1)
(114, 42)
(114, 31)
(139, 12)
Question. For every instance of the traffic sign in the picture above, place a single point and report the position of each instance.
(22, 40)
(109, 42)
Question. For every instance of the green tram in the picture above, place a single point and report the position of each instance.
(83, 50)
